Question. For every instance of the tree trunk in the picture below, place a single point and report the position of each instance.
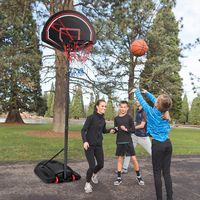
(131, 78)
(61, 68)
(14, 117)
(60, 93)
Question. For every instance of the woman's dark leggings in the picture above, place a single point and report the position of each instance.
(161, 160)
(94, 152)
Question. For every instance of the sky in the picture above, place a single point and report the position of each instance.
(189, 11)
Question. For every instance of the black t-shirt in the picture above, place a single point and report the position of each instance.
(140, 117)
(124, 137)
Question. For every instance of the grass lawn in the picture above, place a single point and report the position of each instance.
(17, 145)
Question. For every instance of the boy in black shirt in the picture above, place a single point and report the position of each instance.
(124, 126)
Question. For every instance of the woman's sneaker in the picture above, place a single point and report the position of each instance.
(88, 187)
(95, 179)
(139, 180)
(118, 181)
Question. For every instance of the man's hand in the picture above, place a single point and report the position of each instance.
(133, 90)
(123, 128)
(144, 91)
(86, 145)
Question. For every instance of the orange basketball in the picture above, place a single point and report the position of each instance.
(139, 47)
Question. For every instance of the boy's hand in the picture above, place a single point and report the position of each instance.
(144, 91)
(133, 90)
(123, 128)
(112, 131)
(86, 145)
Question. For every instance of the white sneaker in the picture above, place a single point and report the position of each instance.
(139, 180)
(118, 181)
(88, 187)
(95, 179)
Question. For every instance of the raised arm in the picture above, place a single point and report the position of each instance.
(150, 96)
(141, 100)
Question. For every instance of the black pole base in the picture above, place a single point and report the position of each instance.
(53, 171)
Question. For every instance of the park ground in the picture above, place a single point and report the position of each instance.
(18, 182)
(22, 147)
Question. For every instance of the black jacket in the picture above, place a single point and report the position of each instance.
(93, 128)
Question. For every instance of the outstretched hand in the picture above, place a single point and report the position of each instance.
(133, 90)
(144, 91)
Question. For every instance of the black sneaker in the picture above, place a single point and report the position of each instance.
(118, 181)
(139, 180)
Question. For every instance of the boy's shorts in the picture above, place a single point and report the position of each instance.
(125, 149)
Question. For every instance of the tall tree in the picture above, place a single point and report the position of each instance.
(91, 105)
(110, 111)
(161, 72)
(61, 69)
(117, 24)
(194, 114)
(184, 110)
(20, 60)
(77, 109)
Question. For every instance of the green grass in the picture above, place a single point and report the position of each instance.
(16, 145)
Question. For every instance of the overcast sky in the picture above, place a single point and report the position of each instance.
(189, 10)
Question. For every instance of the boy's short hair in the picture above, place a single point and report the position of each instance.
(165, 103)
(124, 102)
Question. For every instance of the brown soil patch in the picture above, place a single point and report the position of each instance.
(51, 134)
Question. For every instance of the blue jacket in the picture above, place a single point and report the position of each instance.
(156, 126)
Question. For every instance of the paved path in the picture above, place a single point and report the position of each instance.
(18, 182)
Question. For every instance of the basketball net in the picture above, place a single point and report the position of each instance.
(77, 52)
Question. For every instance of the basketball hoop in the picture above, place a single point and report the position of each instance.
(71, 32)
(77, 52)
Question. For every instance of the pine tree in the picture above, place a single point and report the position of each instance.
(161, 72)
(194, 114)
(50, 101)
(20, 60)
(77, 110)
(91, 105)
(184, 110)
(110, 111)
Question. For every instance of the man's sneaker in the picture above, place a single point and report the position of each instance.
(124, 171)
(95, 179)
(139, 180)
(88, 187)
(118, 181)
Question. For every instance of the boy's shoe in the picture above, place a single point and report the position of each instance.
(95, 179)
(139, 180)
(88, 187)
(124, 171)
(118, 181)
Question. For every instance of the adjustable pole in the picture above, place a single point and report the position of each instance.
(67, 77)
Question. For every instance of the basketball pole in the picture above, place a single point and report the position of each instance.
(67, 77)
